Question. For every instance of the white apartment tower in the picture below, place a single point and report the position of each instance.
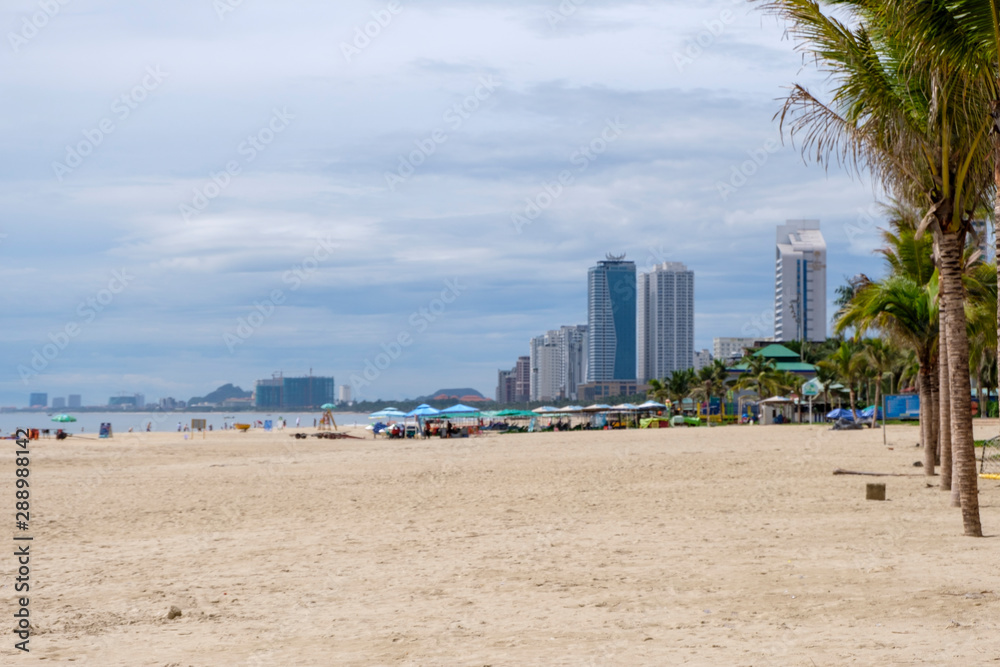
(664, 320)
(558, 363)
(800, 282)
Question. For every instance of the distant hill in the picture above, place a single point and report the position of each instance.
(221, 394)
(463, 395)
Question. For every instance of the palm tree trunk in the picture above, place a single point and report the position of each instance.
(944, 409)
(995, 112)
(926, 415)
(854, 412)
(953, 299)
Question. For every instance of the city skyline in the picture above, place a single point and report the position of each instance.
(198, 212)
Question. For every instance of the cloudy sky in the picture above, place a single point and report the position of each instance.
(210, 191)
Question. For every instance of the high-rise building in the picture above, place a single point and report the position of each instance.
(522, 380)
(505, 386)
(75, 401)
(546, 373)
(611, 320)
(58, 402)
(800, 282)
(344, 393)
(558, 363)
(38, 400)
(304, 392)
(267, 394)
(307, 392)
(665, 321)
(573, 349)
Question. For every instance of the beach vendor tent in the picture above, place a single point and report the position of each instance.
(423, 410)
(841, 413)
(459, 410)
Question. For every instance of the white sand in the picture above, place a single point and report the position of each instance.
(725, 546)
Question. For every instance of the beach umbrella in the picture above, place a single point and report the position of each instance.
(387, 413)
(625, 407)
(570, 408)
(544, 409)
(651, 405)
(459, 409)
(597, 407)
(423, 410)
(326, 406)
(64, 418)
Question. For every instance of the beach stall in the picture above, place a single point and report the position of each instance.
(464, 420)
(657, 418)
(776, 410)
(422, 415)
(598, 413)
(627, 415)
(500, 421)
(386, 421)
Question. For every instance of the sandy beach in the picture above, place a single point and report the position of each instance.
(723, 546)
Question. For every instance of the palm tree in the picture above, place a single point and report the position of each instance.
(907, 313)
(881, 357)
(679, 385)
(847, 364)
(658, 390)
(710, 382)
(920, 131)
(759, 376)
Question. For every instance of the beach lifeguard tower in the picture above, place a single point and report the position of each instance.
(327, 422)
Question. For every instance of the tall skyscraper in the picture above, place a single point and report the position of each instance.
(665, 320)
(545, 358)
(522, 380)
(573, 349)
(558, 363)
(505, 386)
(800, 282)
(74, 400)
(38, 400)
(611, 325)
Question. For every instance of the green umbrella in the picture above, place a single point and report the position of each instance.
(326, 406)
(64, 418)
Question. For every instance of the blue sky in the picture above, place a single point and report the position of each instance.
(203, 192)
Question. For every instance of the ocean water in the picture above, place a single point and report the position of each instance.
(90, 422)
